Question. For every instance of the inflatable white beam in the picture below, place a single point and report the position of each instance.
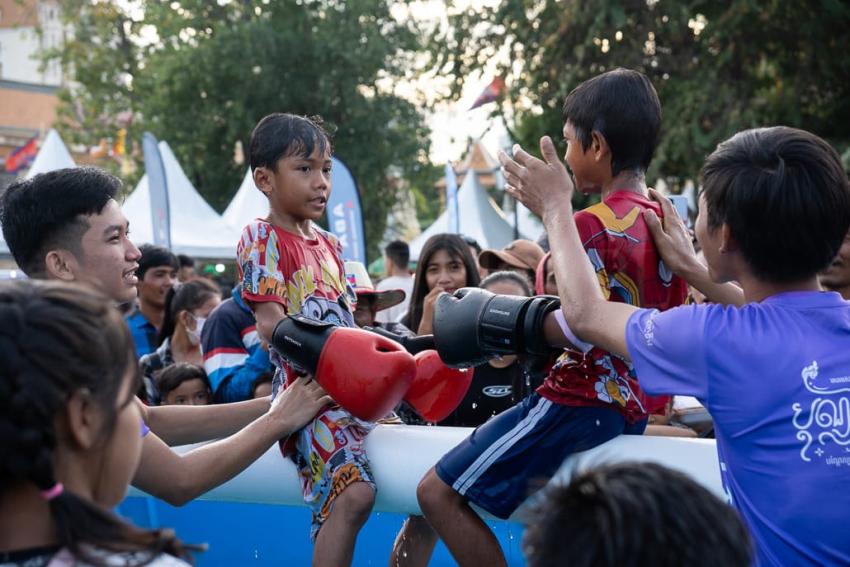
(400, 456)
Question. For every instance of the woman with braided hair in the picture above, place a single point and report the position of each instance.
(70, 432)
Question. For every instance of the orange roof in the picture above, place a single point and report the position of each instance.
(16, 13)
(479, 160)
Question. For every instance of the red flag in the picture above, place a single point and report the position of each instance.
(491, 92)
(22, 157)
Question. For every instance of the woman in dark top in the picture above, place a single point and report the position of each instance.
(501, 382)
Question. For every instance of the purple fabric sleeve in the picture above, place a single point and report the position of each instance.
(667, 350)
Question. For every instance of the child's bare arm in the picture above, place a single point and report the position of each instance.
(268, 314)
(181, 425)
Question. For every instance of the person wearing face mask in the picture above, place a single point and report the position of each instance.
(187, 308)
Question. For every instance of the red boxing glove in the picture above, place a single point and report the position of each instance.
(437, 389)
(365, 373)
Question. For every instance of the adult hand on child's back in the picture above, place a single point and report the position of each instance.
(299, 403)
(537, 184)
(671, 236)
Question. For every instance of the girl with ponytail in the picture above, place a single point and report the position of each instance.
(70, 432)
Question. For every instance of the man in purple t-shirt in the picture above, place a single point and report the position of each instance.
(775, 371)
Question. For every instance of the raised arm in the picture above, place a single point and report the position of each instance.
(545, 188)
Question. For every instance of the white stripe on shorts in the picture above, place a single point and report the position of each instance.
(500, 447)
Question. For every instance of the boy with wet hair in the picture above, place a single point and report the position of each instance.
(634, 514)
(287, 267)
(591, 395)
(773, 373)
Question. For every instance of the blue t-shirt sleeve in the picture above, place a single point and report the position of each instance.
(668, 350)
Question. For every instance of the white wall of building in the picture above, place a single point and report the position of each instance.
(19, 48)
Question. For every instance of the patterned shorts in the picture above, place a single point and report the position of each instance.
(330, 456)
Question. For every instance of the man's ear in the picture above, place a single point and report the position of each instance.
(727, 241)
(61, 265)
(599, 146)
(84, 419)
(263, 179)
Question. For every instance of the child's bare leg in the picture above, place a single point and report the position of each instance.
(334, 545)
(468, 538)
(414, 544)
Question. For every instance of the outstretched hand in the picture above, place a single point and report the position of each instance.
(672, 238)
(536, 183)
(299, 403)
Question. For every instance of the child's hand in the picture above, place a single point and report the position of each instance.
(299, 403)
(671, 236)
(537, 184)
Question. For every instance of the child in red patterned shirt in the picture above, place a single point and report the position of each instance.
(289, 266)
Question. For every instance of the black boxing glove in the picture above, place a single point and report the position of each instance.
(474, 325)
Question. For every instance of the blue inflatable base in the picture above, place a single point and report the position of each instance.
(262, 534)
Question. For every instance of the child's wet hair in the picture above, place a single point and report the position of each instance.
(622, 106)
(281, 135)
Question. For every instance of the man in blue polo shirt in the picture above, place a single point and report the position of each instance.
(157, 274)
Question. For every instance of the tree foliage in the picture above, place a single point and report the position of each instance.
(200, 74)
(719, 67)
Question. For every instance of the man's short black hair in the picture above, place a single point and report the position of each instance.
(282, 135)
(634, 514)
(48, 212)
(398, 253)
(785, 197)
(186, 261)
(623, 106)
(153, 257)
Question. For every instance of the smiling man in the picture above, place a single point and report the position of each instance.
(66, 225)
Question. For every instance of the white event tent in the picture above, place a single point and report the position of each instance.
(478, 217)
(196, 229)
(248, 204)
(52, 155)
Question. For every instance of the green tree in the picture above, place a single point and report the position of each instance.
(719, 67)
(200, 75)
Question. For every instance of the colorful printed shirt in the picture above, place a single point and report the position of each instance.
(308, 277)
(143, 332)
(233, 356)
(629, 270)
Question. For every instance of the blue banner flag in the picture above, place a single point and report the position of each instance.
(451, 197)
(345, 219)
(158, 189)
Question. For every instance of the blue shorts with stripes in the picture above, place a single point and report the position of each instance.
(515, 453)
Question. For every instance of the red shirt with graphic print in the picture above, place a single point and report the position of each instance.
(629, 270)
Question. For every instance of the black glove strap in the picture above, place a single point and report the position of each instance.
(300, 340)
